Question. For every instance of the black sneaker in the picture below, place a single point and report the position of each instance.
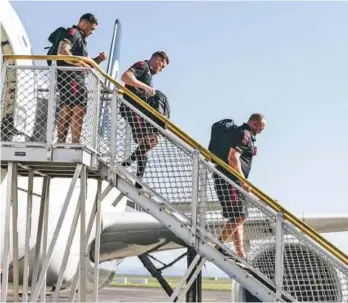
(138, 186)
(126, 163)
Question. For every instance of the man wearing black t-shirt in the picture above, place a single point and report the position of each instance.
(71, 84)
(138, 79)
(239, 157)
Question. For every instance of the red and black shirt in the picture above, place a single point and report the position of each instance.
(142, 73)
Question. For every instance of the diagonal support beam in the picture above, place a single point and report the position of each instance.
(39, 236)
(28, 235)
(88, 233)
(67, 250)
(175, 296)
(6, 249)
(193, 278)
(47, 259)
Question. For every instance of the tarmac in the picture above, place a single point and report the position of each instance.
(141, 294)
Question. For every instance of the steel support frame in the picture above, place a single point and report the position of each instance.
(94, 140)
(94, 213)
(44, 232)
(6, 244)
(190, 275)
(279, 254)
(28, 234)
(194, 293)
(204, 249)
(113, 134)
(11, 199)
(97, 242)
(67, 250)
(38, 245)
(82, 263)
(51, 111)
(45, 263)
(12, 190)
(194, 197)
(156, 273)
(15, 263)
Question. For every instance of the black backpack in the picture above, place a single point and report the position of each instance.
(220, 130)
(55, 38)
(160, 103)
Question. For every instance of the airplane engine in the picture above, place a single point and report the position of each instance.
(323, 286)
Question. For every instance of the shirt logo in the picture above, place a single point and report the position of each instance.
(140, 64)
(72, 31)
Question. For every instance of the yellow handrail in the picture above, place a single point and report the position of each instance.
(302, 226)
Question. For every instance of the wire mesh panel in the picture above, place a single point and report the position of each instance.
(237, 223)
(26, 111)
(19, 112)
(79, 98)
(161, 163)
(104, 126)
(310, 274)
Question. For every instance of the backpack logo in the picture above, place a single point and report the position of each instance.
(229, 124)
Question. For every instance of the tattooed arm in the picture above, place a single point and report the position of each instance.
(64, 49)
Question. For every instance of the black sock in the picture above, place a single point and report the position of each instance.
(141, 163)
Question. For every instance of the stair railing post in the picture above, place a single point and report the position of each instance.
(279, 256)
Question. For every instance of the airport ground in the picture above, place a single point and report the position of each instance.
(140, 294)
(214, 290)
(208, 283)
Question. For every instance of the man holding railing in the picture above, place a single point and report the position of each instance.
(241, 150)
(138, 79)
(71, 84)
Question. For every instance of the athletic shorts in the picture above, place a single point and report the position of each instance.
(232, 200)
(72, 89)
(141, 129)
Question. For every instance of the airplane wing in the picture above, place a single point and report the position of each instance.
(132, 233)
(326, 223)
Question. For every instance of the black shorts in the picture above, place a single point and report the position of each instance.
(141, 129)
(72, 89)
(232, 200)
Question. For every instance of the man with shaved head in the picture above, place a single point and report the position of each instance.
(239, 154)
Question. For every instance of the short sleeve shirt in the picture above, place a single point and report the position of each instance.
(242, 140)
(78, 43)
(143, 74)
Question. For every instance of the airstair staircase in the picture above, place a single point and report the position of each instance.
(287, 261)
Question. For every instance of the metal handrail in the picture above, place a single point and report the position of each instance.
(302, 226)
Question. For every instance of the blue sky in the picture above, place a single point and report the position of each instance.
(287, 60)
